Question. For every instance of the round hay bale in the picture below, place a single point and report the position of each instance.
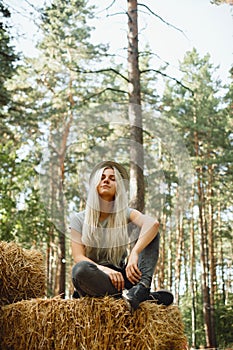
(22, 273)
(90, 324)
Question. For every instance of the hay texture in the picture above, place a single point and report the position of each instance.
(22, 273)
(90, 324)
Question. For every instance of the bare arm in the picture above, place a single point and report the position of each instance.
(149, 229)
(77, 247)
(79, 254)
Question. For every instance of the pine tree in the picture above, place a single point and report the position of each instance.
(198, 116)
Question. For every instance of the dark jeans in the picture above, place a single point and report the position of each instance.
(89, 280)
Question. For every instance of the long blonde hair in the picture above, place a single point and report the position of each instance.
(110, 242)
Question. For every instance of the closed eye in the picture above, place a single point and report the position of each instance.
(112, 178)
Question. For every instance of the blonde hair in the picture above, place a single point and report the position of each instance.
(110, 242)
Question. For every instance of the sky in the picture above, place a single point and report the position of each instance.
(207, 27)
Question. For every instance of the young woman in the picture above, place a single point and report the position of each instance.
(105, 261)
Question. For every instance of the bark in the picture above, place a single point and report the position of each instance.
(135, 113)
(204, 259)
(169, 258)
(221, 260)
(58, 145)
(62, 239)
(193, 274)
(203, 237)
(49, 259)
(169, 244)
(160, 268)
(212, 259)
(179, 240)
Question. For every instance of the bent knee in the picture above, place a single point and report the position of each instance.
(83, 269)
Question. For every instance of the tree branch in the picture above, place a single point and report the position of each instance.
(102, 91)
(168, 76)
(146, 53)
(101, 71)
(161, 19)
(108, 7)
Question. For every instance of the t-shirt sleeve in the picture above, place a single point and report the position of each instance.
(129, 210)
(76, 221)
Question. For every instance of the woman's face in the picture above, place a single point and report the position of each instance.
(107, 185)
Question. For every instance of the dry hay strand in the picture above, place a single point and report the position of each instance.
(90, 324)
(22, 273)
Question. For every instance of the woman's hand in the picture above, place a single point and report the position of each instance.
(115, 277)
(132, 271)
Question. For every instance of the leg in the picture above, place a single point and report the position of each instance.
(147, 261)
(141, 292)
(89, 280)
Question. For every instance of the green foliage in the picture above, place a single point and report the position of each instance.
(224, 321)
(7, 69)
(7, 58)
(186, 309)
(204, 120)
(51, 107)
(23, 217)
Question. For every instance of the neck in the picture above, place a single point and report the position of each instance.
(105, 208)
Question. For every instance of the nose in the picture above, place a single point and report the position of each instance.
(106, 180)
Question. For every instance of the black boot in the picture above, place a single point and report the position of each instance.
(162, 297)
(76, 295)
(135, 295)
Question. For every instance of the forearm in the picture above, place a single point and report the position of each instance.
(82, 257)
(148, 232)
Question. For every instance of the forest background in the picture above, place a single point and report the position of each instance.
(65, 107)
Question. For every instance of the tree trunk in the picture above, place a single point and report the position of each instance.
(160, 267)
(179, 240)
(135, 113)
(221, 254)
(62, 240)
(212, 259)
(203, 237)
(193, 274)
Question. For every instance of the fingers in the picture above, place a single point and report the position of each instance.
(117, 280)
(133, 273)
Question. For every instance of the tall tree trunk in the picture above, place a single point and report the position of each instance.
(170, 261)
(212, 259)
(204, 259)
(160, 267)
(49, 259)
(62, 155)
(59, 147)
(193, 273)
(135, 113)
(62, 240)
(179, 240)
(203, 238)
(221, 259)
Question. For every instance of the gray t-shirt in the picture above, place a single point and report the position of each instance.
(76, 223)
(77, 220)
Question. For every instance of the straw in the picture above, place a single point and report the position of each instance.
(22, 273)
(90, 324)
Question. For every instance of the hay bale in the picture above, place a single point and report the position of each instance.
(22, 273)
(90, 324)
